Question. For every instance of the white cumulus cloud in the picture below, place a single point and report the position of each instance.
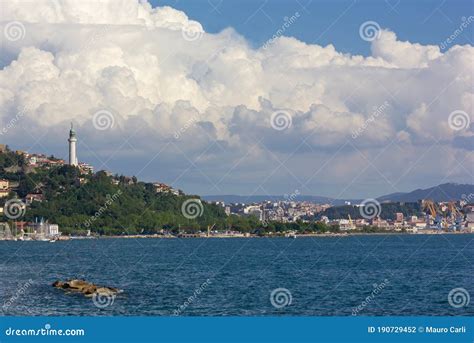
(218, 93)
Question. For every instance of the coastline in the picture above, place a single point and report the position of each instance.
(279, 236)
(251, 236)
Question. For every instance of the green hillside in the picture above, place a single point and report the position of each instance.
(110, 204)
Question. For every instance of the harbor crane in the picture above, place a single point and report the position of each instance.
(432, 214)
(456, 217)
(209, 228)
(351, 224)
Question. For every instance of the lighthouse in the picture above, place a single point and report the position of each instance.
(72, 147)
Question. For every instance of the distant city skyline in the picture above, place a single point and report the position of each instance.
(344, 100)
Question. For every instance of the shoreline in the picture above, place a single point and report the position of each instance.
(223, 236)
(272, 236)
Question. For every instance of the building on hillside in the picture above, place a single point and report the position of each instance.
(4, 193)
(470, 221)
(4, 184)
(41, 160)
(127, 180)
(257, 212)
(163, 188)
(32, 160)
(58, 162)
(83, 181)
(345, 224)
(86, 168)
(30, 197)
(399, 217)
(380, 223)
(361, 222)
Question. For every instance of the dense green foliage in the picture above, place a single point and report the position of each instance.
(95, 202)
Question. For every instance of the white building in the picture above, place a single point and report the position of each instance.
(52, 229)
(42, 230)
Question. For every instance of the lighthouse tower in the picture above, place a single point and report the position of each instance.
(72, 147)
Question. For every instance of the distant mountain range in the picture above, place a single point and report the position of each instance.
(444, 192)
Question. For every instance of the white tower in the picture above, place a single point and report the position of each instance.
(72, 147)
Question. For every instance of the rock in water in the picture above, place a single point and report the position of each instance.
(86, 288)
(58, 284)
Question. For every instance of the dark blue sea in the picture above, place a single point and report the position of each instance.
(325, 276)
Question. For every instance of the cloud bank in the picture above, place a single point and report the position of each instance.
(200, 110)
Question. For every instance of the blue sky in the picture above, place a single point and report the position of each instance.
(331, 22)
